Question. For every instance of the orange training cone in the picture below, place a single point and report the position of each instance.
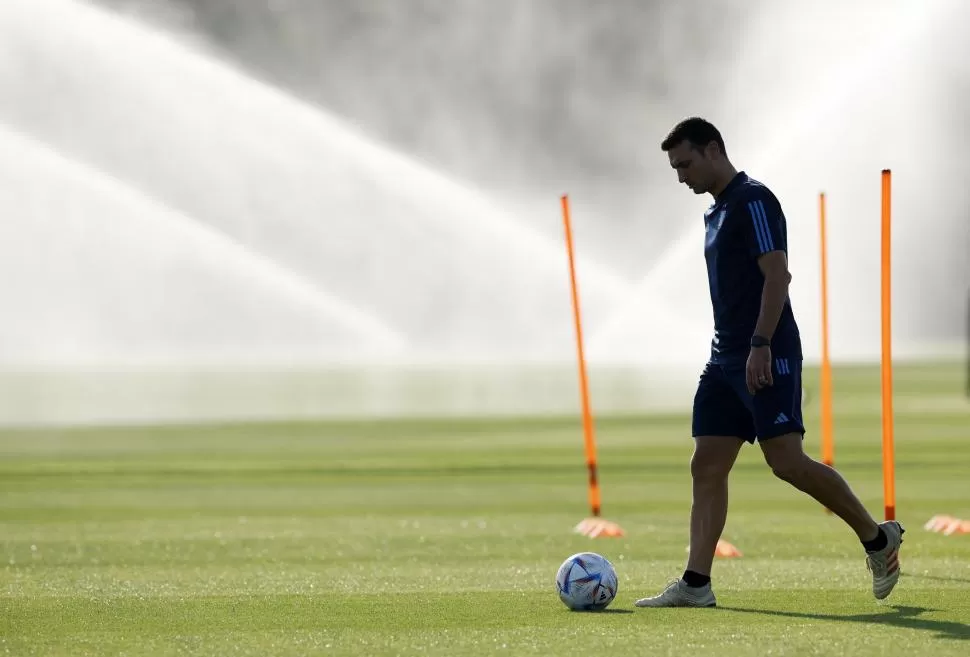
(947, 525)
(598, 527)
(724, 550)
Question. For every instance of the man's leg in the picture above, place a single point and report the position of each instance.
(720, 426)
(714, 456)
(790, 463)
(881, 541)
(780, 431)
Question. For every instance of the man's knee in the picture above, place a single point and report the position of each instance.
(714, 457)
(785, 457)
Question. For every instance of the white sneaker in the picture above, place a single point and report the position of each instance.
(678, 594)
(884, 564)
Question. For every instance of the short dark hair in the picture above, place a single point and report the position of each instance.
(699, 132)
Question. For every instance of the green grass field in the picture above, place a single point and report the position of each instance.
(443, 537)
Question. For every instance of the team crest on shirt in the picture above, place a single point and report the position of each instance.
(715, 223)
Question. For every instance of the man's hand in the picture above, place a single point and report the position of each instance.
(758, 371)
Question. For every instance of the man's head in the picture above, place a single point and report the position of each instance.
(696, 151)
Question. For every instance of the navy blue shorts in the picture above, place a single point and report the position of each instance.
(724, 407)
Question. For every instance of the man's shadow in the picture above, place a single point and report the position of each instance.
(901, 616)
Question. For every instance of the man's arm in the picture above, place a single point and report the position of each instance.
(774, 267)
(766, 237)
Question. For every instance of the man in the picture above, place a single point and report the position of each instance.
(751, 387)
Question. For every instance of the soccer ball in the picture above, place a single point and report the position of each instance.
(586, 582)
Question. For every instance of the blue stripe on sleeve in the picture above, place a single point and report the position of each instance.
(756, 219)
(769, 242)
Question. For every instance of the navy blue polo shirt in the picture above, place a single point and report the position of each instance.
(745, 222)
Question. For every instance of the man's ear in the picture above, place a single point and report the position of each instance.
(712, 150)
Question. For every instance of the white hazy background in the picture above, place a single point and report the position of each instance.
(294, 209)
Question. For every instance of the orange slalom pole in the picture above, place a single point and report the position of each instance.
(828, 443)
(588, 433)
(888, 464)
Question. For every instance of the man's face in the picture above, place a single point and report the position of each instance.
(694, 167)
